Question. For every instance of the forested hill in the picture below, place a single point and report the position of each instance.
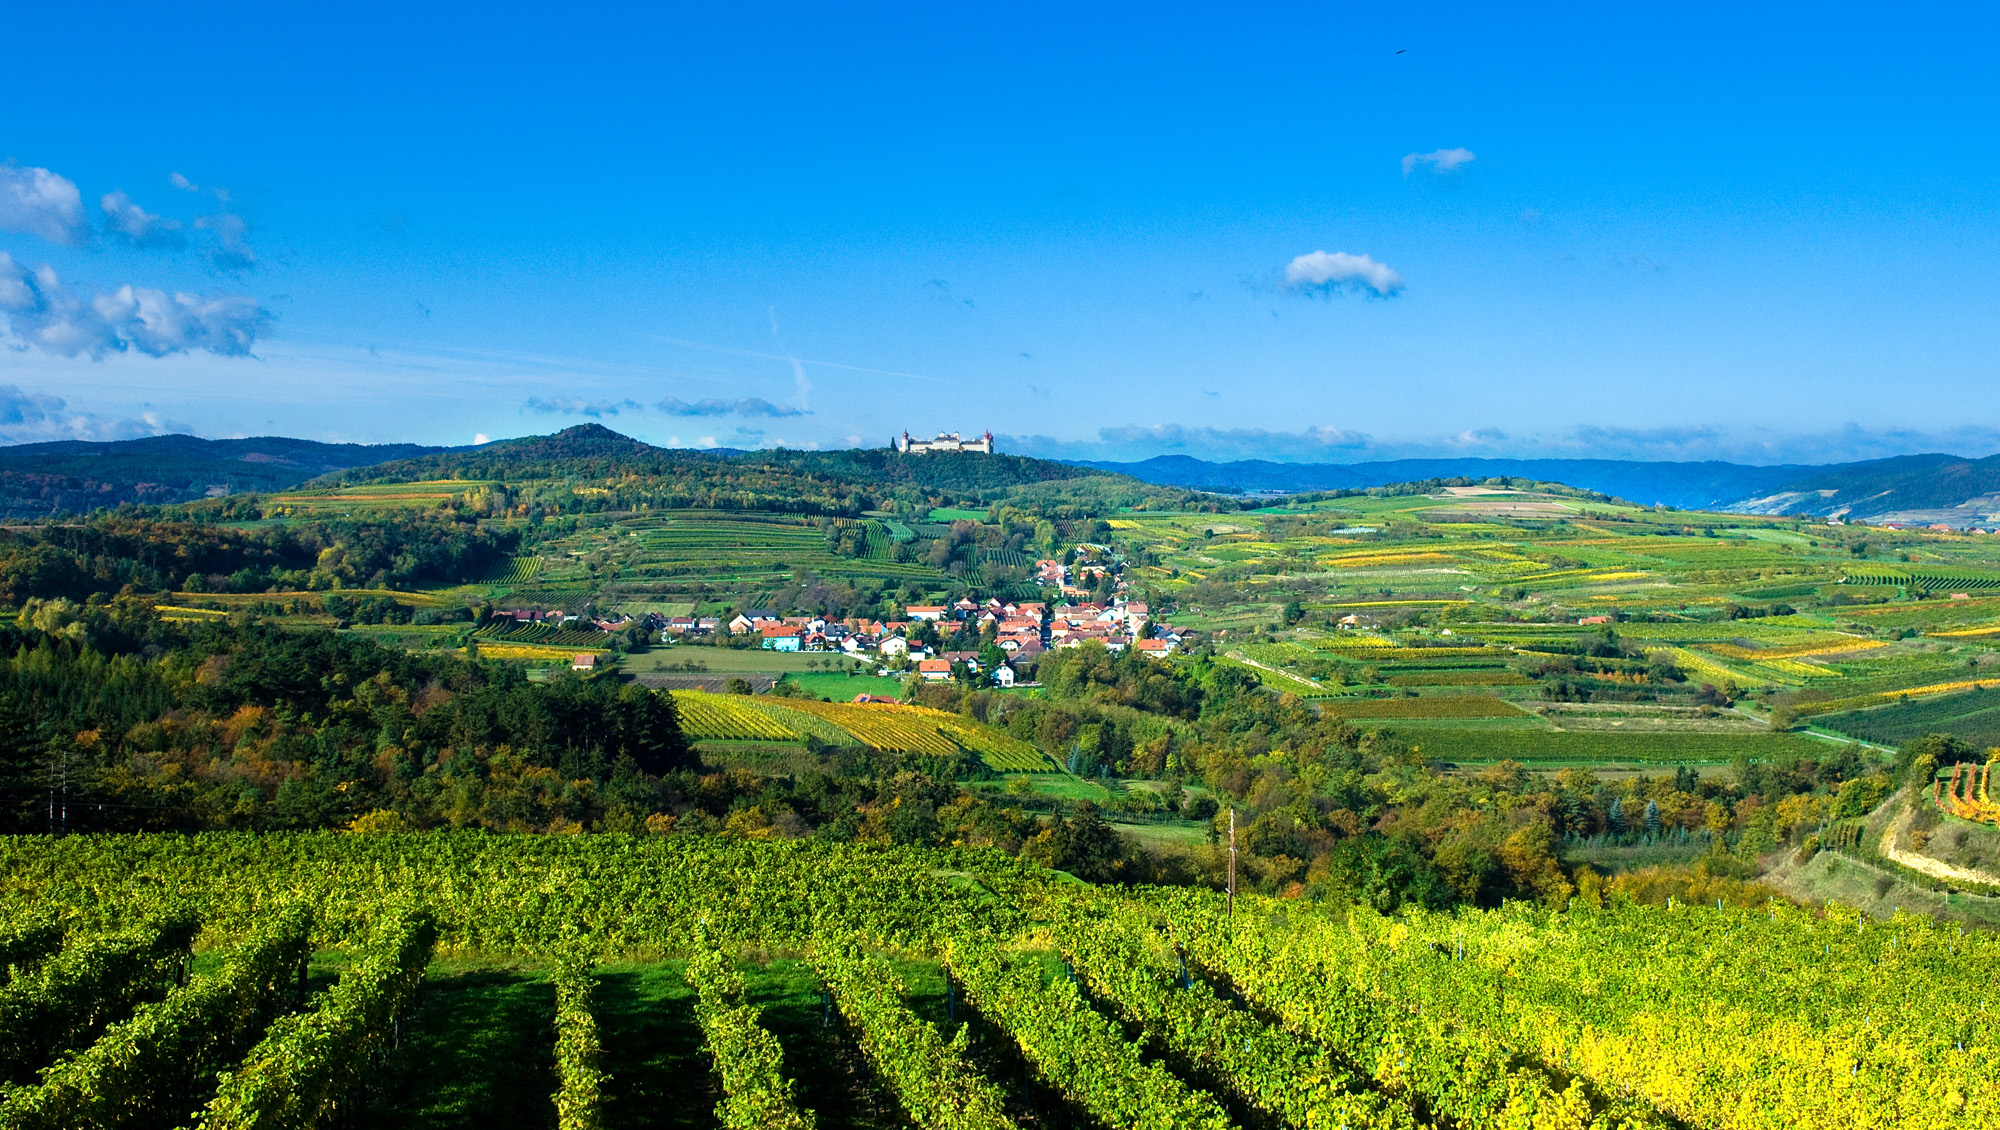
(1881, 488)
(75, 476)
(595, 451)
(624, 472)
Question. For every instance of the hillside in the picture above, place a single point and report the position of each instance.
(1910, 488)
(623, 473)
(591, 449)
(73, 476)
(1687, 486)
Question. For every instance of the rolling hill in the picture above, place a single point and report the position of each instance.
(74, 476)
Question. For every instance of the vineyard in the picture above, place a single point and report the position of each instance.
(1926, 579)
(1467, 706)
(964, 990)
(515, 571)
(886, 727)
(1640, 748)
(545, 634)
(1962, 791)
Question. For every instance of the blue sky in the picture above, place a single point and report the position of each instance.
(1301, 233)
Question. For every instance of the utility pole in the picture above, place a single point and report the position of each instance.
(1232, 862)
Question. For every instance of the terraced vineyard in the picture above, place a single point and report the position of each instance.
(533, 633)
(516, 571)
(951, 989)
(882, 726)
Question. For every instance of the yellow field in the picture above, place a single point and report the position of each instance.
(1797, 651)
(532, 651)
(1363, 560)
(174, 612)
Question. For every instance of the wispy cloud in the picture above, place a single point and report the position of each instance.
(133, 224)
(747, 406)
(41, 203)
(686, 344)
(1439, 161)
(576, 406)
(1324, 273)
(42, 312)
(231, 249)
(1317, 444)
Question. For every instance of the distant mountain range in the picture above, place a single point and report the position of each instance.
(1912, 488)
(1686, 485)
(77, 477)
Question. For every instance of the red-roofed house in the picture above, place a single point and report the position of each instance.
(935, 670)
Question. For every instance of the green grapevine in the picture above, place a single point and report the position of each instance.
(929, 1075)
(1080, 1052)
(577, 1050)
(307, 1063)
(71, 996)
(133, 1074)
(756, 1094)
(1272, 1069)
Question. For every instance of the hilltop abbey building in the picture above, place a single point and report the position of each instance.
(945, 441)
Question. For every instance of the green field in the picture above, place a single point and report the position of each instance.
(729, 660)
(843, 688)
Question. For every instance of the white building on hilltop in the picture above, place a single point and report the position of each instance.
(945, 441)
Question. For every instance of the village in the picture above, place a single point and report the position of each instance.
(993, 642)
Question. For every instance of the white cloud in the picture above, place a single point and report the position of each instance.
(747, 406)
(182, 183)
(39, 202)
(1314, 444)
(478, 438)
(1438, 161)
(36, 417)
(138, 226)
(1325, 272)
(576, 406)
(42, 312)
